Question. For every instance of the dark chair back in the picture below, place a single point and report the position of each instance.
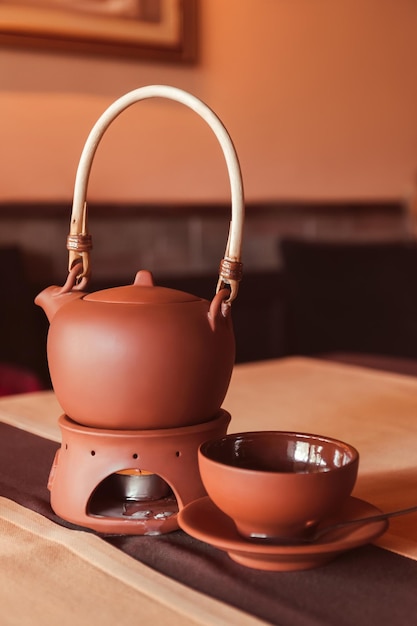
(350, 297)
(21, 343)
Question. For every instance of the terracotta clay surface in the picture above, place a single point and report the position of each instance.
(89, 459)
(204, 521)
(277, 484)
(139, 356)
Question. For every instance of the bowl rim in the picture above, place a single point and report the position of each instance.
(352, 451)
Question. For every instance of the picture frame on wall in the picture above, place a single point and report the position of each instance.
(161, 30)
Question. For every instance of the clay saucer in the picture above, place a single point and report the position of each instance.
(204, 521)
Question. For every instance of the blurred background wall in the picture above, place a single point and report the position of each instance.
(319, 97)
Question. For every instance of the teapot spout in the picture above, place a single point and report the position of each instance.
(53, 298)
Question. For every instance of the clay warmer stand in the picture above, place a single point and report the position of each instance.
(130, 470)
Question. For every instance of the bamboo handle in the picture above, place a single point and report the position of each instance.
(79, 240)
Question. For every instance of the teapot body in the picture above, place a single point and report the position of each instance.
(140, 366)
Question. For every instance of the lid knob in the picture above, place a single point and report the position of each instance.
(144, 278)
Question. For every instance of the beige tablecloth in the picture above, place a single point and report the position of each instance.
(50, 575)
(376, 412)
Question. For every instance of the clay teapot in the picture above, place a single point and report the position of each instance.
(142, 356)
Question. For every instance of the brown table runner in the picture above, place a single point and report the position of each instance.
(365, 586)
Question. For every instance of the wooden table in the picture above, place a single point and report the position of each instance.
(375, 411)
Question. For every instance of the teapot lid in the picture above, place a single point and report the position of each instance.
(143, 291)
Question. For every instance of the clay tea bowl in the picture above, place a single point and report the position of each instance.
(277, 485)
